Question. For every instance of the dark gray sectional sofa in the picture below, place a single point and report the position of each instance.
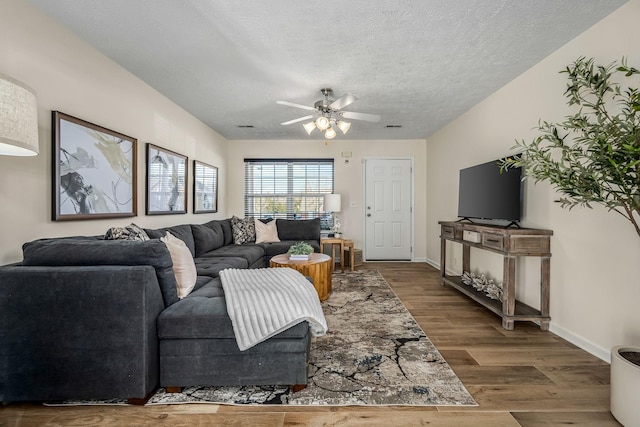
(88, 318)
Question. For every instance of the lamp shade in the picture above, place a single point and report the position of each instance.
(332, 203)
(18, 119)
(343, 126)
(309, 127)
(330, 133)
(323, 122)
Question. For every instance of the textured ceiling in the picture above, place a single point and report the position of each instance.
(418, 64)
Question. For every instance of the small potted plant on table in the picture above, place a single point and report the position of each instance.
(300, 251)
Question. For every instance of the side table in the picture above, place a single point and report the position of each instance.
(318, 267)
(343, 244)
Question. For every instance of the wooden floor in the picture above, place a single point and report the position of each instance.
(522, 377)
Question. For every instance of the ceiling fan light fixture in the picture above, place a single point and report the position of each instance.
(323, 123)
(343, 126)
(309, 127)
(330, 133)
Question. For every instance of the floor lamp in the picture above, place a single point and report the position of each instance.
(332, 203)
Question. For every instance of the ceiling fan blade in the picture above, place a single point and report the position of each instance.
(360, 116)
(293, 104)
(290, 122)
(343, 101)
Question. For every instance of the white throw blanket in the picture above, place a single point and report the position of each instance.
(263, 302)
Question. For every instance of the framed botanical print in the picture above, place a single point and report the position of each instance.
(205, 188)
(94, 171)
(166, 182)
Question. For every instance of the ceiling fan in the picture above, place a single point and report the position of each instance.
(327, 113)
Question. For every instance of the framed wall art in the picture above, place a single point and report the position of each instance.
(166, 181)
(205, 188)
(94, 171)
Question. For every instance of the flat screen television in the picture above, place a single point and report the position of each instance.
(487, 193)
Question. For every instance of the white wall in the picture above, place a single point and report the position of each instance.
(595, 273)
(348, 176)
(70, 76)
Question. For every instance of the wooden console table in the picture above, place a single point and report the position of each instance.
(511, 243)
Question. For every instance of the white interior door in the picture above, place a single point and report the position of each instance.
(388, 209)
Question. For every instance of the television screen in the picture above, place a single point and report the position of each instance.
(487, 193)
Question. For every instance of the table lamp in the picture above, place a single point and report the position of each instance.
(332, 203)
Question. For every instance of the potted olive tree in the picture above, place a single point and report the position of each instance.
(593, 157)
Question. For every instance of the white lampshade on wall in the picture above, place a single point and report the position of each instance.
(332, 203)
(18, 119)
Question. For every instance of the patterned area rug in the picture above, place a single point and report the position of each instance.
(374, 354)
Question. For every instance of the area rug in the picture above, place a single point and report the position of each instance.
(374, 353)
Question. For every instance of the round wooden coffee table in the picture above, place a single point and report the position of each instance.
(318, 267)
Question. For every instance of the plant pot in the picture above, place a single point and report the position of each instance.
(625, 383)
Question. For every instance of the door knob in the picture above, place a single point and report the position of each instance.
(368, 214)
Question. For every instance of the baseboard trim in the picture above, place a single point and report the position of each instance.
(433, 263)
(577, 340)
(584, 344)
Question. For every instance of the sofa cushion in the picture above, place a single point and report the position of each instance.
(213, 270)
(211, 259)
(183, 266)
(252, 253)
(298, 229)
(207, 237)
(203, 317)
(89, 251)
(266, 232)
(227, 229)
(207, 287)
(182, 232)
(244, 230)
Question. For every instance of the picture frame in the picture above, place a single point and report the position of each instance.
(94, 171)
(205, 188)
(166, 182)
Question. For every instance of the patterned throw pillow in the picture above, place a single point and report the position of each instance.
(130, 232)
(244, 230)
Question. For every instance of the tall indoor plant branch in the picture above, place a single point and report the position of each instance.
(593, 155)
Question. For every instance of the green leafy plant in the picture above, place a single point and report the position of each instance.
(593, 156)
(300, 248)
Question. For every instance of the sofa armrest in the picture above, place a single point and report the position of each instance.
(78, 332)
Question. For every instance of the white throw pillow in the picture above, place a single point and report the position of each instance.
(266, 233)
(183, 266)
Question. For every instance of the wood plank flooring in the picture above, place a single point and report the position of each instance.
(525, 377)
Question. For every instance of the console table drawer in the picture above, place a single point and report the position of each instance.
(493, 241)
(448, 232)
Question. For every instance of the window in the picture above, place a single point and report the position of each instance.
(287, 188)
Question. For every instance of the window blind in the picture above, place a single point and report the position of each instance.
(287, 188)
